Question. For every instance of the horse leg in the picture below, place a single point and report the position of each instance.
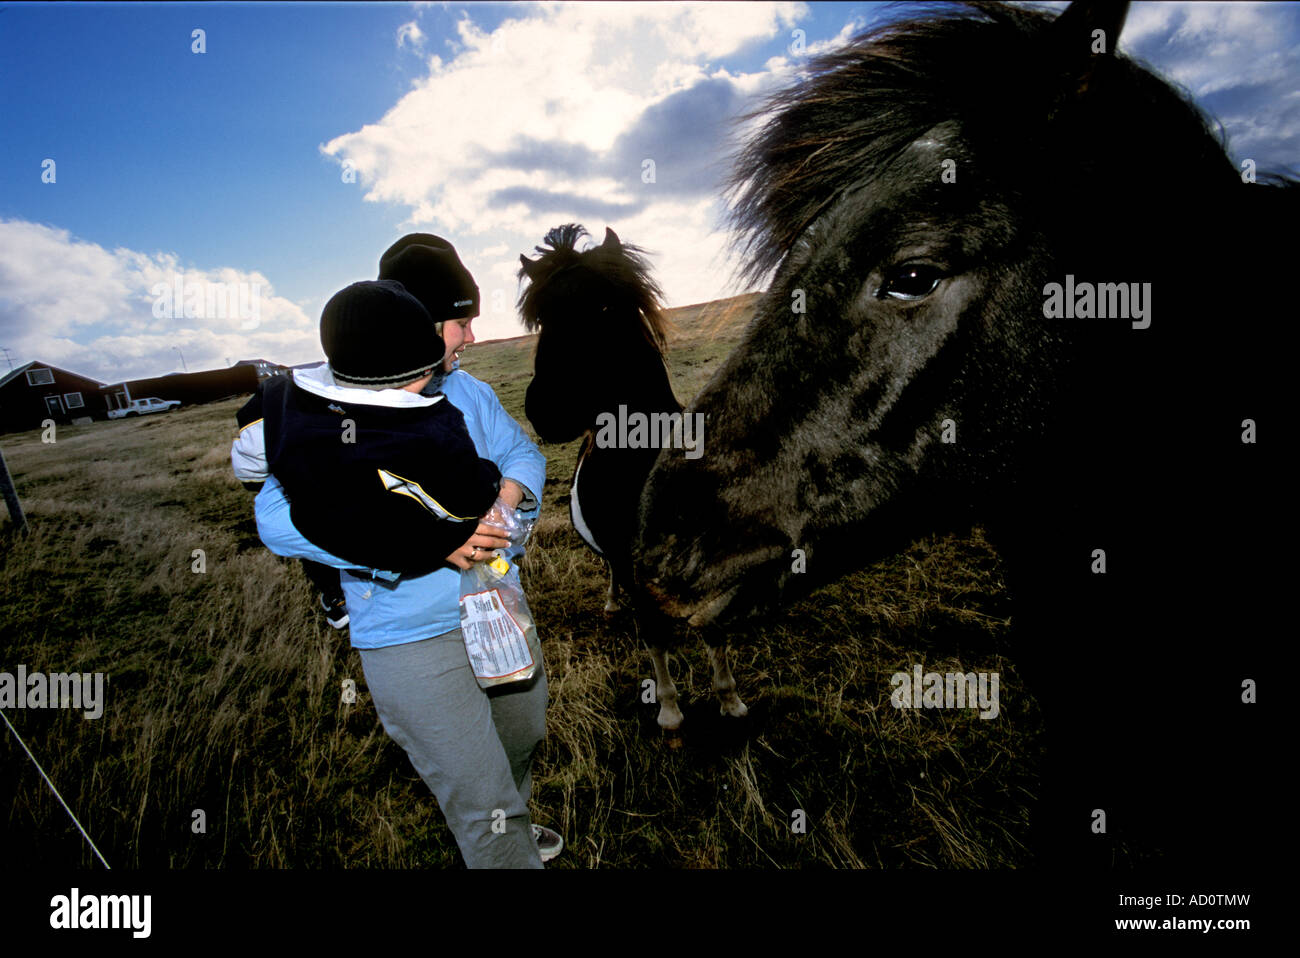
(670, 716)
(612, 603)
(724, 683)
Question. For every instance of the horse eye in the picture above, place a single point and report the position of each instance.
(910, 283)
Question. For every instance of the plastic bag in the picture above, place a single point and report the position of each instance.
(500, 636)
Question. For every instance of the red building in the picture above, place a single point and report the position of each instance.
(36, 391)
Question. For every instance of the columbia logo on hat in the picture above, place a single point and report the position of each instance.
(429, 268)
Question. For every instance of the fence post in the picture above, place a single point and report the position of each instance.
(11, 496)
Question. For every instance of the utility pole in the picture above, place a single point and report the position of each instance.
(10, 495)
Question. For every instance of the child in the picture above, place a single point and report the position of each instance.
(375, 472)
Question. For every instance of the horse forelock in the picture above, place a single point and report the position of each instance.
(985, 66)
(621, 277)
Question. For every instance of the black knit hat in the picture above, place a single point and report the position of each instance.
(429, 268)
(376, 334)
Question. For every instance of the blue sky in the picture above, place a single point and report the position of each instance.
(306, 138)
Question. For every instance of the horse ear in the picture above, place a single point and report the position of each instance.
(611, 240)
(528, 265)
(1074, 30)
(1087, 30)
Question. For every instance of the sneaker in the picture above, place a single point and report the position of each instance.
(336, 611)
(549, 843)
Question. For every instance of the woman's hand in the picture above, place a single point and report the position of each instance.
(479, 546)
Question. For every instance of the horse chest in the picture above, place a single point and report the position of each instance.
(575, 510)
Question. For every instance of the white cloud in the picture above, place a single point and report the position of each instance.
(549, 118)
(847, 32)
(1240, 58)
(111, 314)
(683, 242)
(411, 33)
(577, 76)
(1209, 47)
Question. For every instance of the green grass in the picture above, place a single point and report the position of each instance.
(224, 685)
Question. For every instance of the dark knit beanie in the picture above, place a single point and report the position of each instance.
(429, 268)
(377, 335)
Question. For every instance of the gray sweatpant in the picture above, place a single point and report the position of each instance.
(473, 748)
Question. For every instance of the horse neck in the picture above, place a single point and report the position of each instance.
(639, 382)
(641, 386)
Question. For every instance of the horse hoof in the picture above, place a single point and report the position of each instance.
(732, 707)
(673, 738)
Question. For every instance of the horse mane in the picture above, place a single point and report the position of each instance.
(622, 265)
(983, 64)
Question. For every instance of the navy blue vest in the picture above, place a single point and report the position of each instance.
(402, 494)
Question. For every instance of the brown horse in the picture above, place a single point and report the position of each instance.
(599, 372)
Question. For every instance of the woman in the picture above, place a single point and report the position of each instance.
(473, 748)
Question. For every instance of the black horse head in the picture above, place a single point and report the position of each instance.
(602, 329)
(915, 196)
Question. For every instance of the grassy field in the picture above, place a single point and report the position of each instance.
(224, 685)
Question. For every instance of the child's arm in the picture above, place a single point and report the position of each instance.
(248, 456)
(283, 538)
(248, 451)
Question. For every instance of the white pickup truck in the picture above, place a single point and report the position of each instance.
(141, 407)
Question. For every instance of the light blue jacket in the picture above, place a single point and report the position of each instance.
(384, 610)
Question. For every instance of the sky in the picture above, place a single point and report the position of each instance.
(150, 171)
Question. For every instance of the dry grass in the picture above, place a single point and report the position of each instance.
(224, 687)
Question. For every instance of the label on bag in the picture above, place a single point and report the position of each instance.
(496, 644)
